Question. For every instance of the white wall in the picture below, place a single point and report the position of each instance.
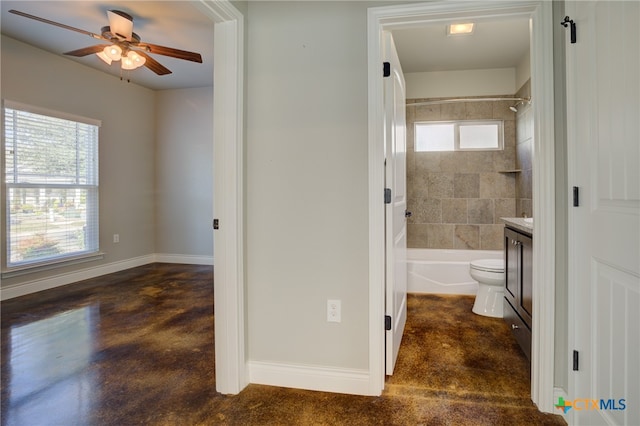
(184, 173)
(443, 84)
(306, 183)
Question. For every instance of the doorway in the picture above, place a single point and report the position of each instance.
(390, 18)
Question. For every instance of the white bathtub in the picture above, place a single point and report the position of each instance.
(444, 271)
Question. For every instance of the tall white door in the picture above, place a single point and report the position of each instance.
(603, 98)
(396, 222)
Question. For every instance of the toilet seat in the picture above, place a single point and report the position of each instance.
(488, 265)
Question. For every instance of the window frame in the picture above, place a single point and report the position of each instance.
(456, 134)
(92, 188)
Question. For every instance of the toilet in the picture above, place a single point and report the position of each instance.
(490, 276)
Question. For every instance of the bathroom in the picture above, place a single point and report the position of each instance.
(457, 198)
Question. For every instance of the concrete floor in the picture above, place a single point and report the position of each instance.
(136, 348)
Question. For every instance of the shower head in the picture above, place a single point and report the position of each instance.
(522, 101)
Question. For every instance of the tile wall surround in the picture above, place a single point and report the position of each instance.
(524, 155)
(458, 198)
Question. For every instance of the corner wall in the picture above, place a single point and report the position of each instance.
(184, 173)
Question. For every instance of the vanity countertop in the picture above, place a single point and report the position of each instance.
(521, 224)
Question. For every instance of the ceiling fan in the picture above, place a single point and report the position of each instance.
(124, 44)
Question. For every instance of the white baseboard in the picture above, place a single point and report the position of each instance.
(184, 258)
(326, 379)
(54, 281)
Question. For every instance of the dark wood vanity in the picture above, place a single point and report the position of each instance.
(518, 292)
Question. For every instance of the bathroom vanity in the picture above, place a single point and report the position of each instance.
(518, 292)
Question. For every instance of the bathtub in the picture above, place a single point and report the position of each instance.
(444, 271)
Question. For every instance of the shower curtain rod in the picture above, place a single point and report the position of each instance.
(448, 101)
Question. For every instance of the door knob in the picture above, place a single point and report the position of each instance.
(407, 213)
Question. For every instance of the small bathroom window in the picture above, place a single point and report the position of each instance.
(483, 135)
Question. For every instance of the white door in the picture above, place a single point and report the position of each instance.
(603, 98)
(396, 222)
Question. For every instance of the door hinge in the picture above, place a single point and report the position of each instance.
(386, 69)
(575, 360)
(387, 195)
(576, 196)
(387, 322)
(216, 224)
(568, 23)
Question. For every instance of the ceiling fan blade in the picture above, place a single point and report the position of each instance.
(57, 24)
(121, 24)
(86, 50)
(169, 51)
(154, 65)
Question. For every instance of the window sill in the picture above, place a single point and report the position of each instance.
(30, 269)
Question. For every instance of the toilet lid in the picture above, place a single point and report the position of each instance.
(489, 265)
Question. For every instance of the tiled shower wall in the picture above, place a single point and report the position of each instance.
(458, 198)
(524, 155)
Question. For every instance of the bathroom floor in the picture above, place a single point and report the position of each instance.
(136, 347)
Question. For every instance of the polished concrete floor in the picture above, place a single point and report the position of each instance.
(136, 348)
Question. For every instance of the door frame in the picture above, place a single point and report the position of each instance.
(543, 326)
(228, 144)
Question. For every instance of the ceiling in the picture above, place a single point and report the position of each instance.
(494, 43)
(176, 24)
(500, 43)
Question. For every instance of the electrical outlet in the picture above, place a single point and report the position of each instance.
(116, 238)
(333, 310)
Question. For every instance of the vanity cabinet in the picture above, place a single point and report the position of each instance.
(518, 292)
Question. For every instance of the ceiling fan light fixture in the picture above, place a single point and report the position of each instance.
(132, 60)
(138, 60)
(104, 57)
(128, 64)
(114, 52)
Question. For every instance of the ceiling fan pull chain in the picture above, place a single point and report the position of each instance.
(122, 78)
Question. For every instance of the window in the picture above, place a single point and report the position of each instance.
(483, 135)
(51, 178)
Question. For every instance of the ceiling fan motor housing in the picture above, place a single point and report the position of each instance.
(106, 33)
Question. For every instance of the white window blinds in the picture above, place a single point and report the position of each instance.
(51, 177)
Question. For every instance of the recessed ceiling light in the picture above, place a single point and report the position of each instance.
(459, 29)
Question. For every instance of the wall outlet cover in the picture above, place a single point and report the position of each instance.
(334, 310)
